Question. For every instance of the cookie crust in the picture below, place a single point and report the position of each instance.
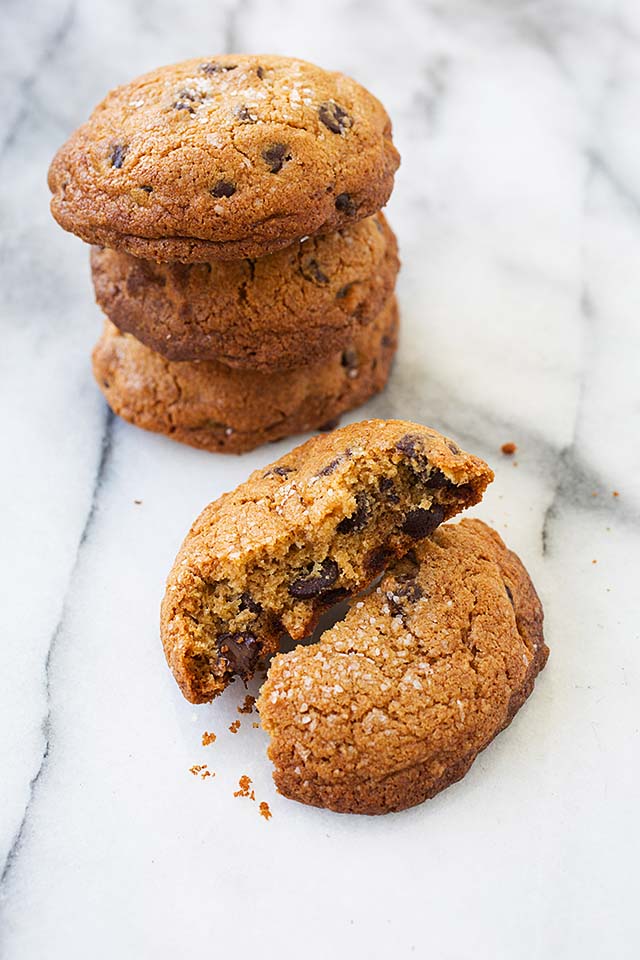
(395, 702)
(222, 158)
(213, 407)
(278, 312)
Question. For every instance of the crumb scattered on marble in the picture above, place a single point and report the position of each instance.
(594, 561)
(137, 502)
(508, 449)
(235, 726)
(208, 738)
(244, 783)
(247, 705)
(264, 810)
(615, 494)
(202, 769)
(255, 725)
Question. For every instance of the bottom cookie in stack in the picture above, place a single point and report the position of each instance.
(210, 406)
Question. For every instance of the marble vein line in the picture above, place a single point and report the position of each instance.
(598, 164)
(51, 47)
(105, 455)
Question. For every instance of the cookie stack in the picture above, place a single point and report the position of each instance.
(239, 253)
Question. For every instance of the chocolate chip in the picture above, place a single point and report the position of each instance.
(260, 72)
(248, 603)
(406, 592)
(147, 188)
(329, 425)
(278, 472)
(334, 116)
(223, 188)
(186, 98)
(212, 67)
(330, 467)
(240, 651)
(317, 582)
(509, 594)
(358, 519)
(310, 270)
(276, 156)
(118, 153)
(436, 480)
(453, 446)
(343, 291)
(245, 116)
(387, 487)
(346, 204)
(332, 597)
(349, 359)
(421, 522)
(408, 445)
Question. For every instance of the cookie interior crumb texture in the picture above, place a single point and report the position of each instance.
(224, 157)
(395, 701)
(317, 526)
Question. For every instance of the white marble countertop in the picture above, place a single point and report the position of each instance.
(518, 213)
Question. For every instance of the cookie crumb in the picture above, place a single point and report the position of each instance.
(255, 725)
(594, 561)
(197, 768)
(208, 738)
(138, 502)
(247, 705)
(244, 784)
(615, 494)
(508, 449)
(235, 726)
(264, 810)
(206, 773)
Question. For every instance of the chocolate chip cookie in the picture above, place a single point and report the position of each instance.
(396, 701)
(210, 406)
(224, 157)
(316, 526)
(295, 306)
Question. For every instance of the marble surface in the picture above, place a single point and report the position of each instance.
(518, 213)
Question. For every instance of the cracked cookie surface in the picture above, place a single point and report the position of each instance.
(274, 313)
(394, 702)
(213, 407)
(317, 526)
(224, 157)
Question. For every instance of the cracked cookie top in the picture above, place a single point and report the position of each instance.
(224, 157)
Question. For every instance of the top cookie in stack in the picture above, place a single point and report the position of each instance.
(235, 158)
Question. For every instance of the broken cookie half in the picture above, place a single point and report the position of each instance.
(317, 526)
(394, 702)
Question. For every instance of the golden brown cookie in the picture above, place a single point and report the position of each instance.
(224, 157)
(396, 701)
(314, 527)
(210, 406)
(293, 307)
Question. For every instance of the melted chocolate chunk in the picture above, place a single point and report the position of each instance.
(276, 156)
(223, 188)
(453, 446)
(310, 270)
(147, 188)
(421, 522)
(408, 445)
(349, 359)
(387, 487)
(117, 155)
(343, 291)
(346, 204)
(510, 595)
(330, 467)
(212, 67)
(260, 72)
(334, 116)
(248, 603)
(240, 651)
(317, 582)
(358, 519)
(436, 480)
(331, 597)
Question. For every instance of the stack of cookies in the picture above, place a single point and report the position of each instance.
(239, 253)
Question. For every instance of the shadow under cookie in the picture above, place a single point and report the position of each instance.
(210, 406)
